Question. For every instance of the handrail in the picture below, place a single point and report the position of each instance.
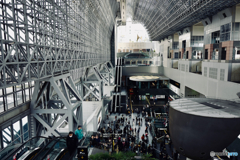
(54, 138)
(131, 102)
(11, 154)
(41, 149)
(148, 101)
(45, 155)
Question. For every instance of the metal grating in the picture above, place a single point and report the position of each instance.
(205, 71)
(222, 74)
(182, 67)
(213, 73)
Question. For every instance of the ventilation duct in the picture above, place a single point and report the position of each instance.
(206, 21)
(225, 13)
(179, 33)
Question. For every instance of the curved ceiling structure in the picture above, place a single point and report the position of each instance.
(165, 17)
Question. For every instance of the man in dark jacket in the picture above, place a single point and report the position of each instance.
(96, 141)
(72, 142)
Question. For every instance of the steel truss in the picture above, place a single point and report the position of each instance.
(45, 38)
(94, 79)
(54, 101)
(58, 99)
(164, 18)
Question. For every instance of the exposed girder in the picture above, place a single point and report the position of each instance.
(45, 38)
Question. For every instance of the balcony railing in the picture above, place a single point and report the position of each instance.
(155, 61)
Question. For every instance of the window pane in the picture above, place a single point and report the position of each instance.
(10, 101)
(18, 87)
(1, 92)
(27, 94)
(25, 128)
(1, 104)
(7, 138)
(237, 26)
(16, 132)
(9, 90)
(26, 85)
(19, 98)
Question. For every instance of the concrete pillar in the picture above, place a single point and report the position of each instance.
(95, 123)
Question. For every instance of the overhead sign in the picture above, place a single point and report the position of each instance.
(106, 135)
(82, 152)
(160, 96)
(175, 83)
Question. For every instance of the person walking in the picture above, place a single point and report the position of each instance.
(72, 143)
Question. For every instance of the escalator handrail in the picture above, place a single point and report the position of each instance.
(12, 153)
(45, 155)
(42, 148)
(54, 138)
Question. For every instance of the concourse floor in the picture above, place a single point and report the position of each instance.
(133, 125)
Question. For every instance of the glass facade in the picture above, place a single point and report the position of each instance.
(197, 41)
(225, 31)
(215, 37)
(11, 97)
(175, 45)
(17, 132)
(236, 31)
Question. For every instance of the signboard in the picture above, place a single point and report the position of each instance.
(82, 152)
(175, 83)
(160, 96)
(107, 135)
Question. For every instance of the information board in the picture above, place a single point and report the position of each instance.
(82, 152)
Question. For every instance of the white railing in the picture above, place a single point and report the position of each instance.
(155, 61)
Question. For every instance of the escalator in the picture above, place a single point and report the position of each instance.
(64, 154)
(26, 149)
(41, 148)
(46, 151)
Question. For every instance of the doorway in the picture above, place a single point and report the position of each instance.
(184, 45)
(206, 54)
(223, 54)
(187, 55)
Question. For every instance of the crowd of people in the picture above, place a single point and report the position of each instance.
(128, 136)
(125, 133)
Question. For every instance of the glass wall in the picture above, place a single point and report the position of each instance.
(225, 32)
(7, 136)
(197, 41)
(17, 132)
(13, 96)
(25, 128)
(235, 31)
(215, 37)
